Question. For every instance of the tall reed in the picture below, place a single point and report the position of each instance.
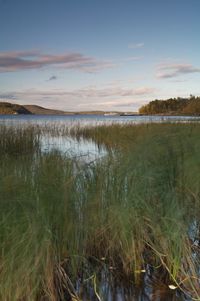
(138, 207)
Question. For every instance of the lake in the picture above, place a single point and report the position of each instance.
(87, 150)
(91, 119)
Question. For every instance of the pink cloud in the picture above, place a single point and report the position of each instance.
(174, 70)
(26, 60)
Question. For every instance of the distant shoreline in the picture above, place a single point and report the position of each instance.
(7, 108)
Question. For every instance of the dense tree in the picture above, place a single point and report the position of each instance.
(173, 106)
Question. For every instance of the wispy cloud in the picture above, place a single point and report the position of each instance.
(132, 58)
(84, 93)
(90, 97)
(26, 60)
(53, 77)
(174, 70)
(136, 45)
(117, 104)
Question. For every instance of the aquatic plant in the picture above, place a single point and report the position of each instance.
(134, 211)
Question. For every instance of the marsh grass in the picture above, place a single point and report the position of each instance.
(153, 197)
(136, 208)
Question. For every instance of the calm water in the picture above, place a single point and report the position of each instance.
(83, 150)
(87, 150)
(150, 289)
(92, 119)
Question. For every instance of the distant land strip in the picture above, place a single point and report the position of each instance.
(7, 108)
(172, 106)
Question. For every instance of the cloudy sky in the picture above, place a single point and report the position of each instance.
(81, 55)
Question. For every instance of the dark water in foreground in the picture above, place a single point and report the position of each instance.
(150, 289)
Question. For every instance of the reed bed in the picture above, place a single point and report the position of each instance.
(134, 211)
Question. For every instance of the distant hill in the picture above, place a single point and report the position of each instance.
(33, 109)
(44, 111)
(173, 106)
(12, 109)
(7, 108)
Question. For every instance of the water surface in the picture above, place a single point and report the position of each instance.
(93, 119)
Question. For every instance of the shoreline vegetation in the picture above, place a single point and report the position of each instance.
(171, 107)
(132, 214)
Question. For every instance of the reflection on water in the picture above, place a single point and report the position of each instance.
(81, 149)
(84, 120)
(107, 288)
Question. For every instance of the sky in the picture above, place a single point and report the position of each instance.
(111, 55)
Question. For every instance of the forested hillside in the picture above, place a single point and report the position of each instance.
(173, 106)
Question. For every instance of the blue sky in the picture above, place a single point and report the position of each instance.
(98, 55)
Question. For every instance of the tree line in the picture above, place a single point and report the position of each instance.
(173, 106)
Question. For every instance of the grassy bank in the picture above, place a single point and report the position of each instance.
(136, 209)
